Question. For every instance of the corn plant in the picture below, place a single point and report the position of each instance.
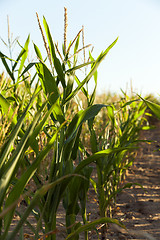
(63, 136)
(52, 111)
(67, 147)
(17, 87)
(125, 120)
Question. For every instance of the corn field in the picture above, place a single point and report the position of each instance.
(58, 140)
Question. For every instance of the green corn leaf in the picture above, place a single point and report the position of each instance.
(37, 196)
(76, 144)
(75, 50)
(140, 113)
(111, 114)
(70, 81)
(5, 106)
(58, 112)
(8, 174)
(50, 88)
(55, 107)
(91, 73)
(155, 108)
(91, 225)
(24, 56)
(48, 82)
(93, 141)
(97, 156)
(92, 98)
(18, 58)
(32, 138)
(14, 162)
(14, 133)
(23, 51)
(83, 191)
(130, 102)
(82, 89)
(79, 66)
(56, 61)
(16, 84)
(38, 52)
(17, 190)
(73, 196)
(76, 44)
(94, 184)
(81, 117)
(30, 65)
(3, 58)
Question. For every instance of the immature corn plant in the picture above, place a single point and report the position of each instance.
(121, 132)
(53, 109)
(67, 144)
(17, 88)
(63, 135)
(154, 107)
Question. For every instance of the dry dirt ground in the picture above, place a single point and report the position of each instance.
(138, 209)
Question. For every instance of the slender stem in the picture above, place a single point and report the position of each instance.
(101, 197)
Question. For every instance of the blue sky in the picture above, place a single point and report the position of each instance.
(135, 57)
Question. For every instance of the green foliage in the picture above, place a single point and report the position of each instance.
(50, 121)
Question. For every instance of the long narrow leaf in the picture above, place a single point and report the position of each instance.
(5, 106)
(155, 108)
(15, 158)
(56, 61)
(39, 194)
(38, 52)
(15, 131)
(91, 73)
(18, 58)
(82, 89)
(80, 66)
(48, 82)
(24, 56)
(30, 65)
(91, 225)
(92, 98)
(17, 190)
(3, 58)
(82, 116)
(97, 156)
(8, 174)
